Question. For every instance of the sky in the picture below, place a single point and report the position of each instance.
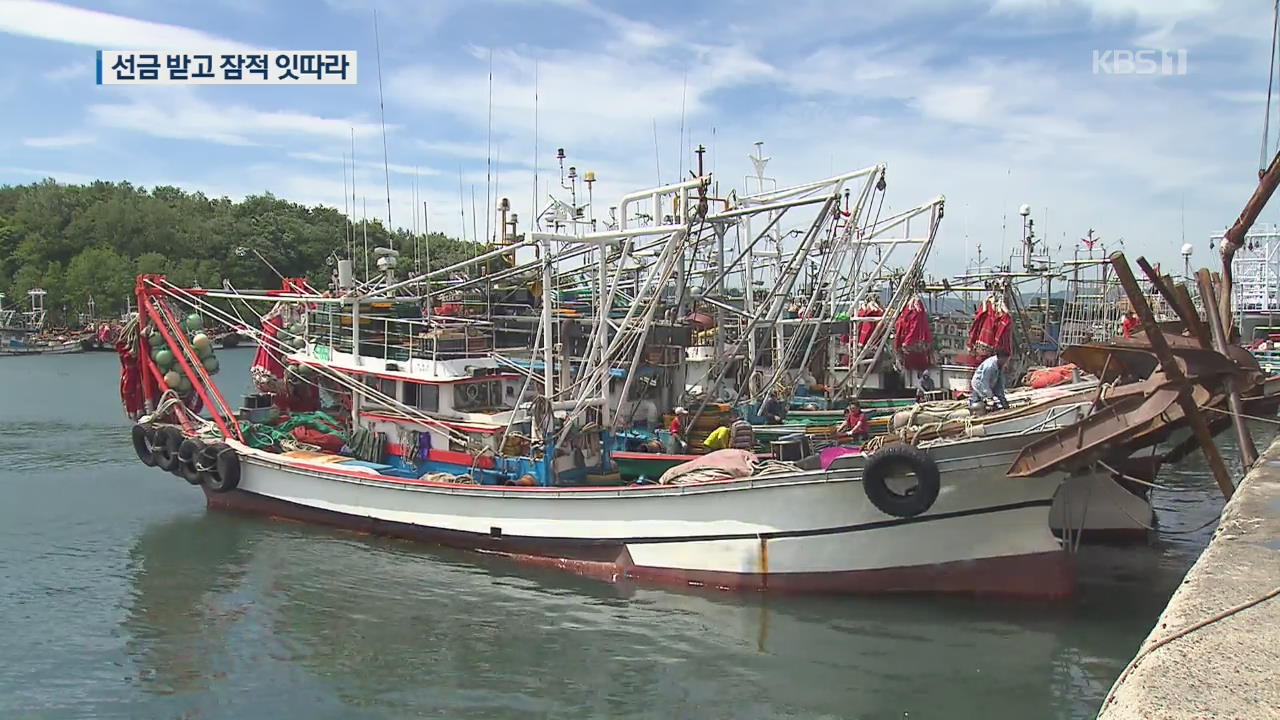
(992, 103)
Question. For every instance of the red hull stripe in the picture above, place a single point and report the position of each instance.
(1043, 576)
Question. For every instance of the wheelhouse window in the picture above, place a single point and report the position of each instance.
(478, 396)
(386, 386)
(428, 398)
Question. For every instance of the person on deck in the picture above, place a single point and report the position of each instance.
(718, 439)
(988, 383)
(855, 423)
(772, 410)
(741, 435)
(678, 429)
(1129, 324)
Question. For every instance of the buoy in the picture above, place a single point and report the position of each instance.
(211, 364)
(295, 328)
(154, 338)
(203, 344)
(184, 385)
(163, 358)
(195, 322)
(173, 379)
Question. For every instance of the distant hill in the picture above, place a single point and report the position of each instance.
(78, 241)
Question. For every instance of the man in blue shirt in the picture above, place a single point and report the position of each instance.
(988, 384)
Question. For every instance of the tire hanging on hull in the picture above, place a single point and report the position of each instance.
(143, 440)
(168, 440)
(892, 460)
(218, 467)
(188, 454)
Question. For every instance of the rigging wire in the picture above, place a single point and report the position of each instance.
(382, 109)
(488, 173)
(1271, 74)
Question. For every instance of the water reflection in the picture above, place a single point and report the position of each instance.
(311, 622)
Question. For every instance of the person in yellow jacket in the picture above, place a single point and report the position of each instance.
(718, 439)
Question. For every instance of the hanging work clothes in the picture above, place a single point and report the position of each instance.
(912, 337)
(867, 328)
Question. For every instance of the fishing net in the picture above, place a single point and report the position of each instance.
(262, 436)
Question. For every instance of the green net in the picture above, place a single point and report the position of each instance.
(263, 436)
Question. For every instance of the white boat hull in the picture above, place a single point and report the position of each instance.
(1099, 508)
(807, 531)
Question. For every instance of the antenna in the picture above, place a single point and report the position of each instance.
(488, 173)
(1183, 219)
(386, 166)
(657, 162)
(680, 151)
(462, 208)
(417, 254)
(475, 227)
(346, 209)
(533, 208)
(353, 198)
(426, 251)
(353, 192)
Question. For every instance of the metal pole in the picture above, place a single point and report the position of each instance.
(1248, 452)
(1171, 369)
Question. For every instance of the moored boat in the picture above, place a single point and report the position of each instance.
(433, 431)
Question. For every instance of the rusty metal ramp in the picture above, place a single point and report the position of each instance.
(1086, 440)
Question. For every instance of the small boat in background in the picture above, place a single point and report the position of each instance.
(25, 333)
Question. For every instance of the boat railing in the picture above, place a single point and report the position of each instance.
(401, 338)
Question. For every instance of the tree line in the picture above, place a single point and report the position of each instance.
(90, 241)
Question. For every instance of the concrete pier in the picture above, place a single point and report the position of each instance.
(1229, 666)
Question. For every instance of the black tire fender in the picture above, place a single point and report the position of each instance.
(219, 468)
(893, 460)
(188, 452)
(166, 443)
(142, 441)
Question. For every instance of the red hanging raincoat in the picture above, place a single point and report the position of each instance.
(867, 327)
(981, 321)
(1003, 332)
(130, 381)
(912, 337)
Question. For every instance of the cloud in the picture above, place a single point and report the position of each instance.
(183, 115)
(400, 169)
(62, 176)
(1167, 23)
(617, 84)
(58, 141)
(82, 70)
(78, 26)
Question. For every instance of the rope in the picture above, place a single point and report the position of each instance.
(775, 467)
(1166, 488)
(1272, 420)
(1131, 478)
(1183, 633)
(1271, 72)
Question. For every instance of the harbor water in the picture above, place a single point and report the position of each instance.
(122, 597)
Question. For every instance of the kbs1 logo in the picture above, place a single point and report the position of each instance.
(1139, 62)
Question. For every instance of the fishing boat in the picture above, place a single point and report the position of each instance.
(434, 431)
(24, 334)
